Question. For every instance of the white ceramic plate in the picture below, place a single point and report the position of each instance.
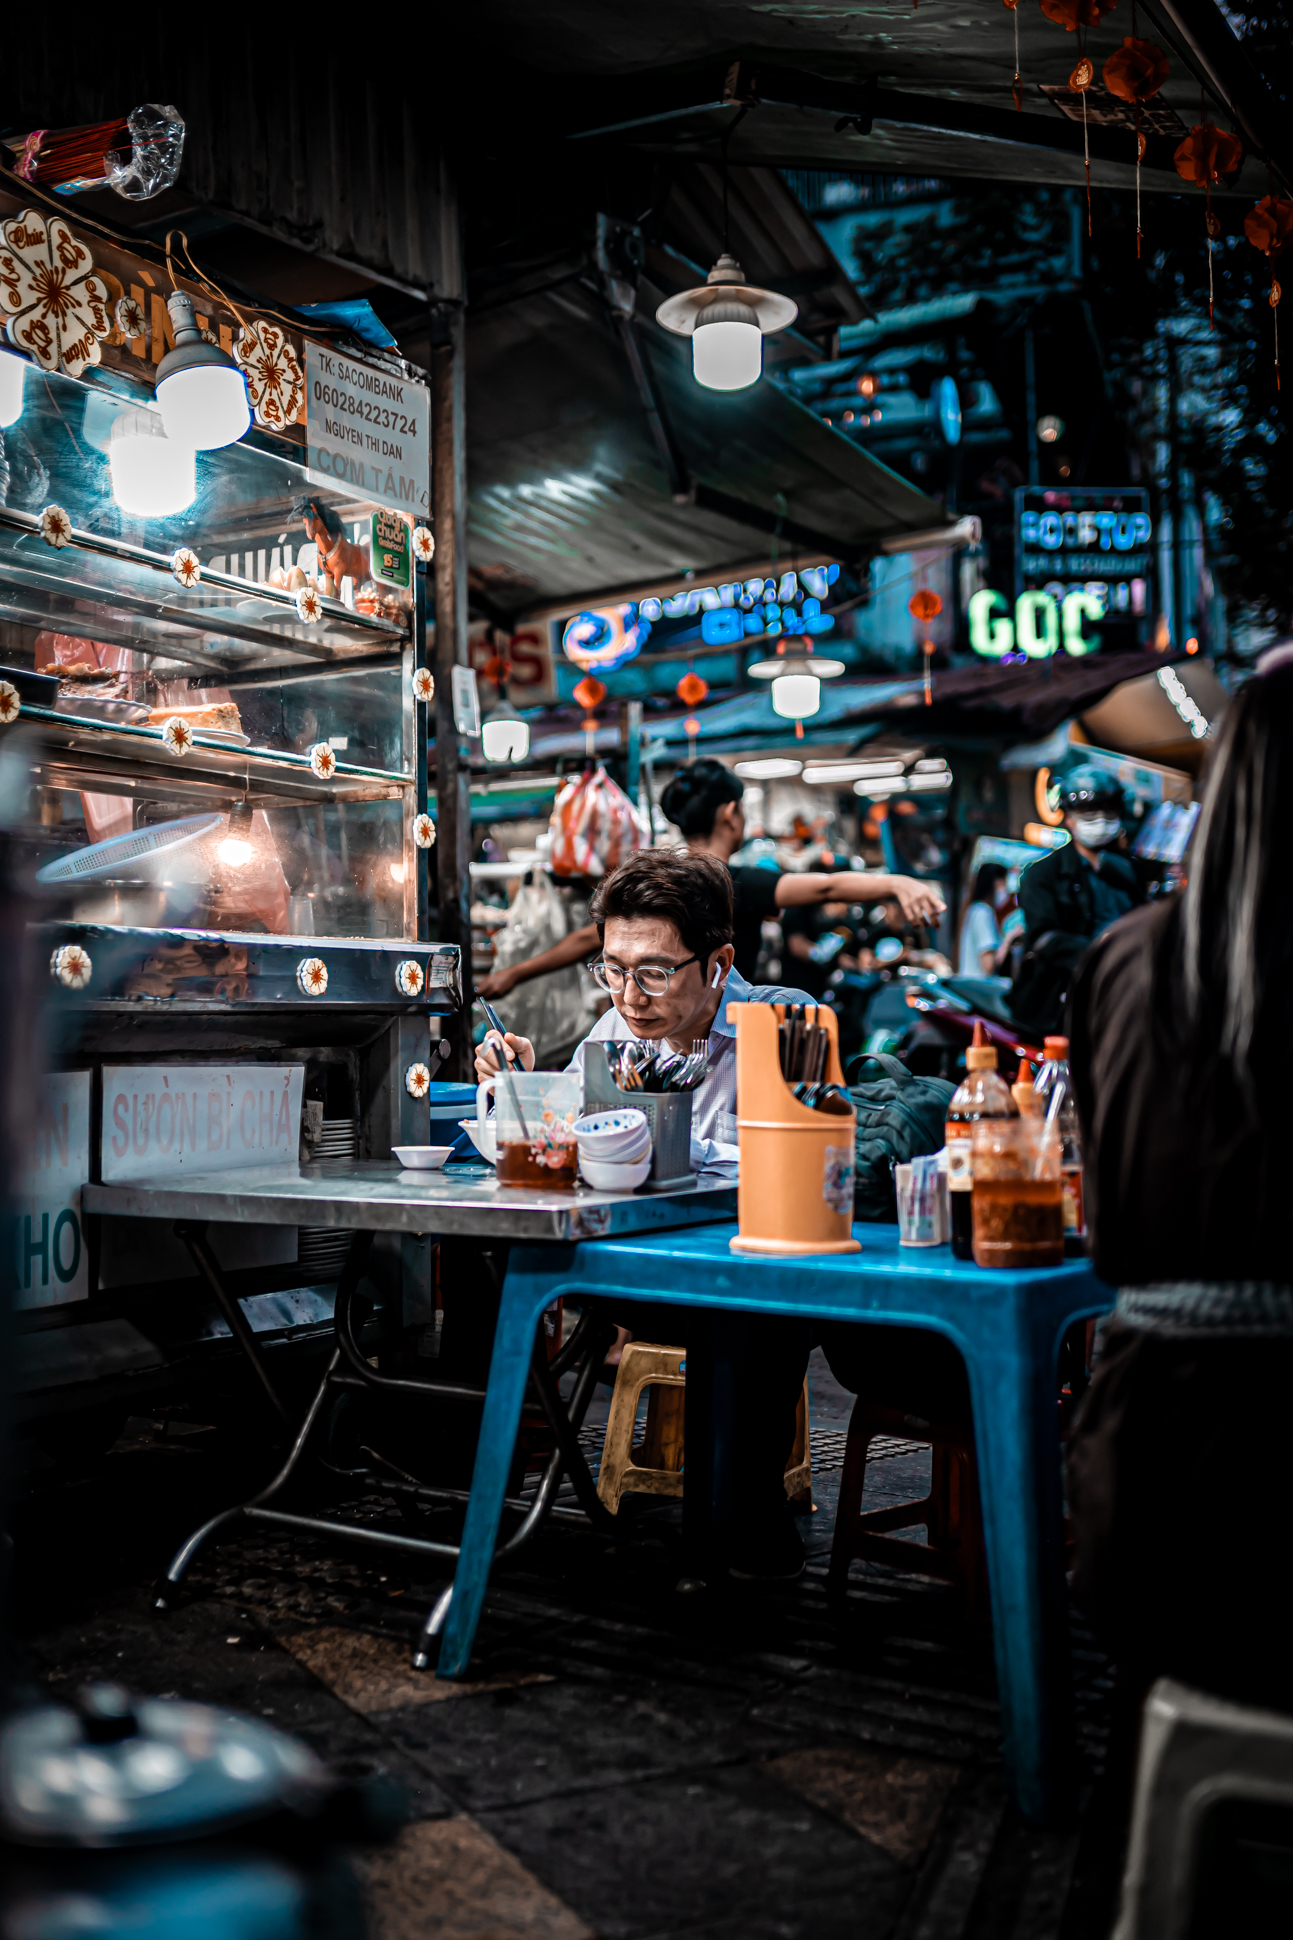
(422, 1158)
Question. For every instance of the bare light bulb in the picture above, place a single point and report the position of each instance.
(151, 477)
(12, 373)
(796, 696)
(396, 870)
(726, 355)
(235, 852)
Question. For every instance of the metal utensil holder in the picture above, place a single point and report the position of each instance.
(668, 1114)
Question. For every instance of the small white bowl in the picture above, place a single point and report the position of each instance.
(422, 1158)
(614, 1178)
(483, 1137)
(614, 1137)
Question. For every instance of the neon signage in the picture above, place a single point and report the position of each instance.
(1040, 625)
(605, 637)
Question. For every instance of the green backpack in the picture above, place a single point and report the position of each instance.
(899, 1116)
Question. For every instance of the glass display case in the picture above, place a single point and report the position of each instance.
(234, 676)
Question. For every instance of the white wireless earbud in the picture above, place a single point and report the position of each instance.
(717, 977)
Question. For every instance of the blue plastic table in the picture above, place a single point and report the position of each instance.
(1008, 1328)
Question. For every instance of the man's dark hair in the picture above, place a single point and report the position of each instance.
(693, 892)
(695, 795)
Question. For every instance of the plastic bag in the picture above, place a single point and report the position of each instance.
(552, 1010)
(594, 827)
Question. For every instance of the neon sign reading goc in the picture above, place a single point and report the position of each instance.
(1041, 624)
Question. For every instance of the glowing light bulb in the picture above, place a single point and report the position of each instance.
(726, 355)
(151, 477)
(396, 871)
(796, 696)
(235, 852)
(12, 373)
(201, 393)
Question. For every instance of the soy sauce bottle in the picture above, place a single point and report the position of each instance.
(984, 1094)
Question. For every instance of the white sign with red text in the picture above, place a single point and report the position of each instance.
(162, 1120)
(50, 1263)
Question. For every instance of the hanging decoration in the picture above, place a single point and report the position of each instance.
(137, 154)
(423, 544)
(1016, 86)
(1134, 73)
(323, 761)
(423, 831)
(186, 566)
(55, 527)
(1268, 227)
(178, 737)
(590, 692)
(10, 704)
(1072, 14)
(55, 305)
(1079, 81)
(691, 689)
(1206, 155)
(275, 380)
(924, 606)
(422, 685)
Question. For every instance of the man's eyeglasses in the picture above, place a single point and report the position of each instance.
(653, 979)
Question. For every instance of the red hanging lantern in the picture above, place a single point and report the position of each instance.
(924, 605)
(590, 691)
(1072, 14)
(497, 669)
(1268, 227)
(1134, 73)
(691, 690)
(1206, 154)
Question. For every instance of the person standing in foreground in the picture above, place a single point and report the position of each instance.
(704, 802)
(1069, 898)
(1182, 1054)
(665, 925)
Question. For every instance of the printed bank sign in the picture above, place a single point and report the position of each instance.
(162, 1121)
(49, 1256)
(368, 432)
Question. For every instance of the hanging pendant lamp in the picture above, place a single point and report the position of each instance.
(727, 320)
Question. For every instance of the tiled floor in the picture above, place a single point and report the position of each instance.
(627, 1762)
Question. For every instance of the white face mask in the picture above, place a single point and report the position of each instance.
(1096, 831)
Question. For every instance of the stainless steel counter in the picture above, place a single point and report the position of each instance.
(376, 1196)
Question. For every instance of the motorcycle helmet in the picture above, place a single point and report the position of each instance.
(1088, 789)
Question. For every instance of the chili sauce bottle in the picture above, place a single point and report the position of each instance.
(984, 1094)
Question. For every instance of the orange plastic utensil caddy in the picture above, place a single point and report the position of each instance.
(796, 1186)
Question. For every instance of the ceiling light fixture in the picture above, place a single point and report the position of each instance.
(796, 674)
(12, 373)
(504, 736)
(152, 477)
(200, 390)
(237, 848)
(931, 765)
(773, 767)
(828, 773)
(727, 320)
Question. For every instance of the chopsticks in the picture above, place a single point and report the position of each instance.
(496, 1030)
(804, 1048)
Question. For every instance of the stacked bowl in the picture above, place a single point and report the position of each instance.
(614, 1150)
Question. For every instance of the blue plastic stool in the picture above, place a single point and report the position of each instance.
(1007, 1327)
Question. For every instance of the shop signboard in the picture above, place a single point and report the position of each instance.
(390, 552)
(367, 430)
(163, 1121)
(1091, 541)
(1041, 623)
(49, 1253)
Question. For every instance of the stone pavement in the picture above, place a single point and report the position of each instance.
(626, 1762)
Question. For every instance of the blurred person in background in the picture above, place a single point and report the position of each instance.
(703, 801)
(982, 948)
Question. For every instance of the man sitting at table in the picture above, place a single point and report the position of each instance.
(665, 924)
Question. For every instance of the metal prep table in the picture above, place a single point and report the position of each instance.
(377, 1197)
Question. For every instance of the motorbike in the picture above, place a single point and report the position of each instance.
(927, 1019)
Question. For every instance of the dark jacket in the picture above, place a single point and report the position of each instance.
(1058, 898)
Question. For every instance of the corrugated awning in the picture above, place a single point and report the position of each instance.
(569, 497)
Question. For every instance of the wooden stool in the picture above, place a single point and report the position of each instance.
(950, 1513)
(658, 1471)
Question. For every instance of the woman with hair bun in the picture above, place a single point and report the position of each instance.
(703, 801)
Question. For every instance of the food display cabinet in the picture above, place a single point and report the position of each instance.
(213, 777)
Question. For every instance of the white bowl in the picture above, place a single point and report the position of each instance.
(483, 1137)
(614, 1137)
(614, 1178)
(422, 1158)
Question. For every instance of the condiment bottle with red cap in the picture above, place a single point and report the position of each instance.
(1055, 1078)
(984, 1094)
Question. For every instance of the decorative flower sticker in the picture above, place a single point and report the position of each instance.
(417, 1081)
(309, 605)
(177, 735)
(56, 307)
(408, 977)
(55, 527)
(323, 761)
(312, 976)
(71, 965)
(9, 702)
(275, 380)
(186, 566)
(423, 684)
(423, 544)
(423, 832)
(129, 315)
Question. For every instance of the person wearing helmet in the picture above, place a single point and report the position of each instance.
(1069, 897)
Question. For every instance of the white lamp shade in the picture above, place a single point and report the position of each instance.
(151, 477)
(204, 407)
(796, 696)
(727, 356)
(504, 738)
(12, 373)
